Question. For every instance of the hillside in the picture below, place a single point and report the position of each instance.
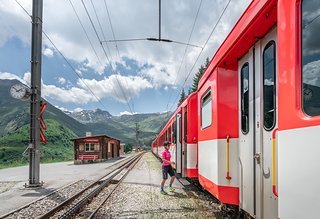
(123, 127)
(14, 128)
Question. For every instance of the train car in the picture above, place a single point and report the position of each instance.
(258, 107)
(181, 131)
(259, 110)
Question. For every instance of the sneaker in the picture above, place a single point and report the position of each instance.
(170, 188)
(162, 192)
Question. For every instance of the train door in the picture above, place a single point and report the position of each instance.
(178, 145)
(258, 124)
(184, 144)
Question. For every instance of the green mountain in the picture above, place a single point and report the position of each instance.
(14, 130)
(61, 127)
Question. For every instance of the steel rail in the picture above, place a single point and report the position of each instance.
(79, 205)
(57, 190)
(111, 192)
(69, 200)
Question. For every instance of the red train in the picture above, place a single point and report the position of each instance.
(250, 134)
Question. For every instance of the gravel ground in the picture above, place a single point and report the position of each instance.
(6, 186)
(139, 197)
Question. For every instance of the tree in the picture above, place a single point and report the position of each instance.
(127, 148)
(198, 75)
(182, 97)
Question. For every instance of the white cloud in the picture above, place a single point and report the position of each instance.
(61, 108)
(10, 76)
(107, 87)
(126, 113)
(130, 86)
(77, 110)
(311, 73)
(62, 80)
(48, 52)
(140, 20)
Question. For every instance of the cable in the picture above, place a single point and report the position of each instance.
(113, 89)
(114, 37)
(95, 30)
(185, 51)
(213, 29)
(74, 70)
(84, 30)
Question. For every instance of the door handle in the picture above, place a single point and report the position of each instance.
(257, 156)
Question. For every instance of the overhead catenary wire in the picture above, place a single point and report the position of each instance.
(114, 37)
(185, 51)
(84, 30)
(213, 29)
(108, 59)
(74, 70)
(91, 44)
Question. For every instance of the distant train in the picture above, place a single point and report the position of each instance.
(251, 132)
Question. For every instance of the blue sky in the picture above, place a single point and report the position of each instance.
(147, 72)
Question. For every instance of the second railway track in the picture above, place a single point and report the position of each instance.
(100, 191)
(59, 200)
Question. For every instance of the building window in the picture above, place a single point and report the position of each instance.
(89, 147)
(81, 147)
(206, 110)
(245, 98)
(269, 86)
(311, 57)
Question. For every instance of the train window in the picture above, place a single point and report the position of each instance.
(269, 86)
(311, 57)
(175, 132)
(185, 127)
(180, 128)
(245, 98)
(206, 110)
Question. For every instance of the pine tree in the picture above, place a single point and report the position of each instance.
(198, 75)
(182, 97)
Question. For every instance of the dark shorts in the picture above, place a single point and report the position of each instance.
(166, 170)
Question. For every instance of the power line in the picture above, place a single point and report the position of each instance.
(95, 30)
(86, 33)
(74, 70)
(84, 30)
(213, 29)
(151, 39)
(185, 51)
(114, 37)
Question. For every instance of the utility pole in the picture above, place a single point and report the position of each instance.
(35, 98)
(137, 134)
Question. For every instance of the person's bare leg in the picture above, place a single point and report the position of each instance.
(171, 180)
(162, 183)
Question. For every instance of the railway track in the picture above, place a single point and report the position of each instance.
(59, 200)
(71, 207)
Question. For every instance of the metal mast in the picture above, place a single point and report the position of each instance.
(35, 98)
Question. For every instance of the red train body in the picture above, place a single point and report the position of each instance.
(250, 133)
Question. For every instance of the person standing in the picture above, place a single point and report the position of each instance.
(167, 167)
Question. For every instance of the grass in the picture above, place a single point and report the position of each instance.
(58, 148)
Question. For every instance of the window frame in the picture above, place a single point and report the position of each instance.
(241, 97)
(89, 144)
(271, 42)
(207, 93)
(301, 65)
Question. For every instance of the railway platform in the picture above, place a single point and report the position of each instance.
(13, 194)
(138, 196)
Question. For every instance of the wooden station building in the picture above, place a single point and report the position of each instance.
(95, 148)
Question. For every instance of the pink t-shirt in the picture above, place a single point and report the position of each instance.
(166, 155)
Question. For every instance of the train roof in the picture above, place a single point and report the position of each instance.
(255, 22)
